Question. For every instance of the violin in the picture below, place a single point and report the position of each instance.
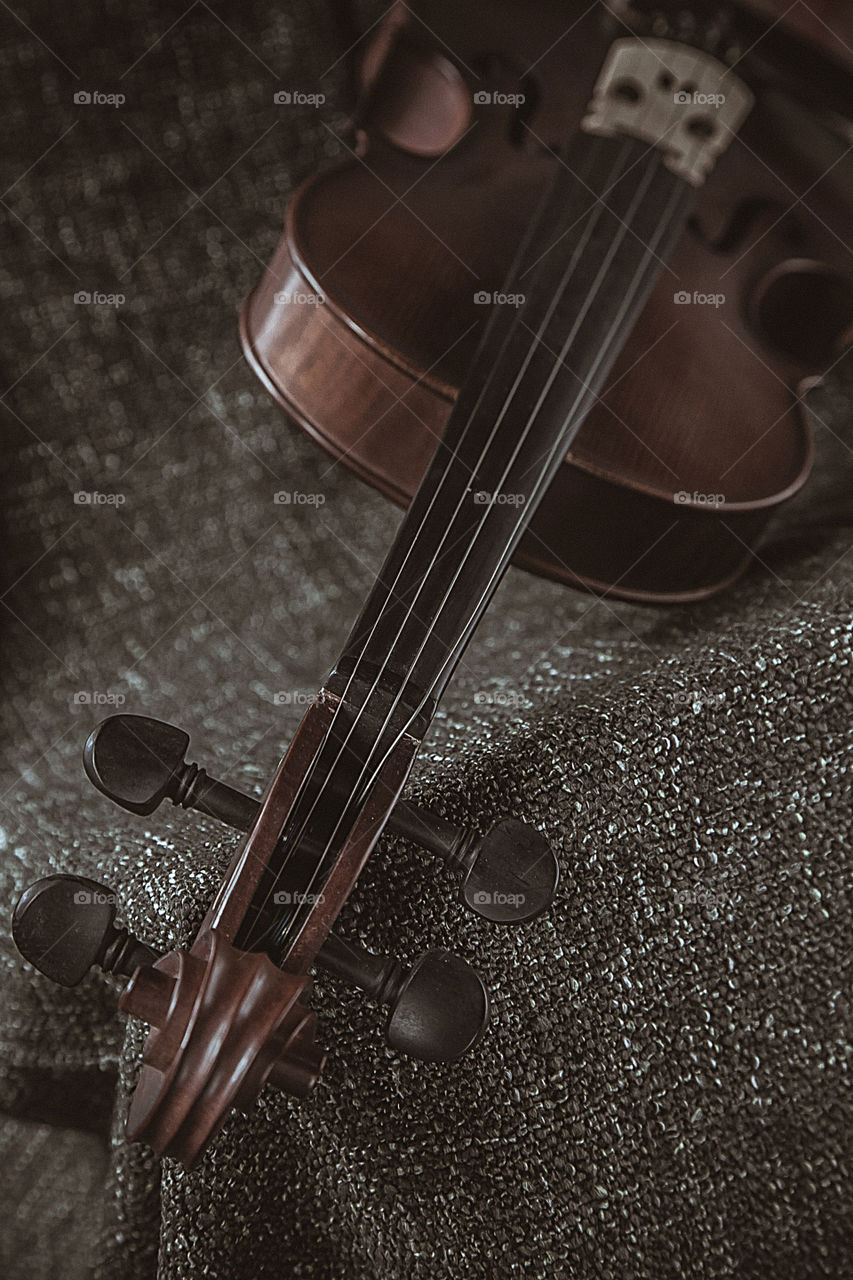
(698, 432)
(479, 312)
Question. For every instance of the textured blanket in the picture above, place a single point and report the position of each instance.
(665, 1087)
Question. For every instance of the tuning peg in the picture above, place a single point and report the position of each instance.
(439, 1007)
(64, 925)
(510, 875)
(138, 762)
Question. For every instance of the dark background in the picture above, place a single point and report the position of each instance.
(665, 1088)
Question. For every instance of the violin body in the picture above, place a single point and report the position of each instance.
(701, 431)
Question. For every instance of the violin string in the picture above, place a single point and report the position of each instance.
(663, 227)
(615, 175)
(529, 233)
(618, 167)
(522, 521)
(521, 524)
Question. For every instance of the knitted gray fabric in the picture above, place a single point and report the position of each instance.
(665, 1088)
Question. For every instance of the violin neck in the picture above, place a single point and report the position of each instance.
(589, 260)
(618, 201)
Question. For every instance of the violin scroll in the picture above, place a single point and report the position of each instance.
(239, 1002)
(223, 1023)
(213, 995)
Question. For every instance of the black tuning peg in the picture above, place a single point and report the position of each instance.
(439, 1007)
(510, 875)
(65, 925)
(139, 762)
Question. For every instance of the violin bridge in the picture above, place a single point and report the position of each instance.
(686, 103)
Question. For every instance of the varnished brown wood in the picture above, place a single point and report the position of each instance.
(701, 432)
